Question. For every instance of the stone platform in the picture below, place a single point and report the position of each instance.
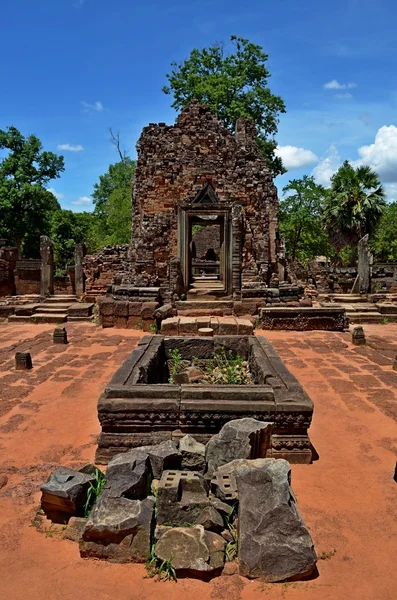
(329, 318)
(139, 406)
(219, 325)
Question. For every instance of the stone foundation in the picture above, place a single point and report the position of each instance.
(303, 319)
(132, 414)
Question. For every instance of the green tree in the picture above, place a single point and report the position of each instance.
(353, 205)
(300, 219)
(25, 203)
(233, 85)
(384, 243)
(112, 197)
(66, 230)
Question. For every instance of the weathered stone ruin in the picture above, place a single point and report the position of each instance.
(233, 513)
(132, 414)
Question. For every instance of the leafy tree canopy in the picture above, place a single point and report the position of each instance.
(66, 230)
(300, 220)
(233, 85)
(353, 205)
(384, 243)
(25, 203)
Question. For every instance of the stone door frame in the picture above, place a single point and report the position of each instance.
(185, 215)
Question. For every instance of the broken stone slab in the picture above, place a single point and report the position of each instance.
(241, 438)
(75, 528)
(65, 494)
(129, 475)
(211, 519)
(273, 541)
(119, 530)
(182, 495)
(191, 549)
(161, 456)
(193, 454)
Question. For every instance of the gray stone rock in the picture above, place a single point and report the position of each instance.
(210, 519)
(163, 456)
(358, 336)
(193, 454)
(242, 438)
(75, 528)
(129, 475)
(192, 549)
(119, 530)
(65, 493)
(273, 543)
(182, 495)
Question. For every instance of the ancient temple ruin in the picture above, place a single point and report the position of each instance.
(195, 175)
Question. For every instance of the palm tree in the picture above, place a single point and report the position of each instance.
(353, 205)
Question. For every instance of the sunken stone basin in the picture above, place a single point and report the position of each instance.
(140, 408)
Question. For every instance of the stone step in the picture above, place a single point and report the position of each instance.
(220, 325)
(19, 319)
(48, 318)
(80, 319)
(61, 299)
(52, 309)
(347, 298)
(199, 303)
(358, 317)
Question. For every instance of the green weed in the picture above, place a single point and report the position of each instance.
(94, 491)
(162, 568)
(175, 364)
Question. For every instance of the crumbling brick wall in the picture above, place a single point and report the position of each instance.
(207, 237)
(174, 163)
(101, 268)
(27, 276)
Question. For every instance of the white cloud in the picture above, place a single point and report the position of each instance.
(70, 147)
(294, 157)
(57, 195)
(82, 201)
(391, 192)
(382, 154)
(344, 95)
(327, 166)
(96, 107)
(335, 85)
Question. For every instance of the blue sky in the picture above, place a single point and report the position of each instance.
(72, 68)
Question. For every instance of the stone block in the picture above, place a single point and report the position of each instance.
(193, 454)
(205, 332)
(210, 519)
(227, 326)
(60, 335)
(170, 326)
(242, 438)
(107, 321)
(106, 307)
(214, 324)
(273, 541)
(134, 323)
(134, 309)
(65, 494)
(148, 308)
(182, 495)
(120, 308)
(128, 475)
(119, 530)
(187, 326)
(191, 549)
(358, 336)
(23, 361)
(203, 322)
(120, 322)
(75, 528)
(81, 309)
(244, 327)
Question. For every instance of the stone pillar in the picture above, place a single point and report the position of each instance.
(79, 253)
(236, 243)
(364, 268)
(47, 266)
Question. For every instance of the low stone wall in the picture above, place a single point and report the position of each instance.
(64, 284)
(101, 268)
(27, 276)
(303, 319)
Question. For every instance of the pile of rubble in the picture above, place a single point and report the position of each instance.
(200, 510)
